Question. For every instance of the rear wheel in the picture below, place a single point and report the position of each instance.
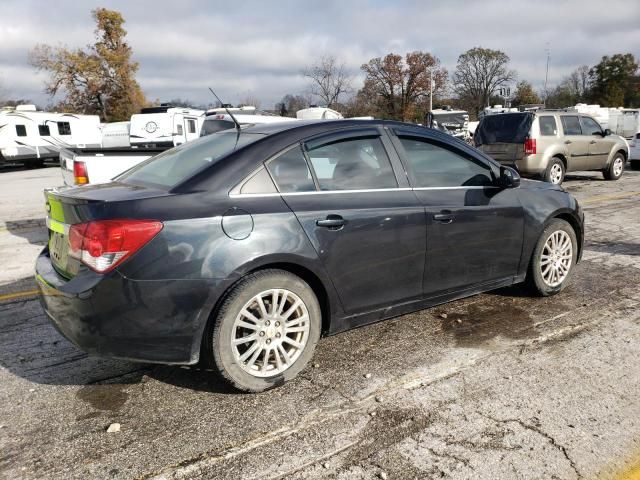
(553, 258)
(615, 169)
(555, 171)
(265, 332)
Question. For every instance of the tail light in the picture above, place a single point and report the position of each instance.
(530, 146)
(80, 173)
(102, 245)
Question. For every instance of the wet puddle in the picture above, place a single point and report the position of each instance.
(104, 397)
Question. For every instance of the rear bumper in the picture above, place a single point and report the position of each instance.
(158, 321)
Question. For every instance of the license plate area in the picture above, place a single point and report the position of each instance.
(59, 250)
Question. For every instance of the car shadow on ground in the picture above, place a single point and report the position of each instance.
(32, 349)
(33, 230)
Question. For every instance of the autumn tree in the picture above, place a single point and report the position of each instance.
(525, 95)
(99, 79)
(615, 81)
(397, 87)
(329, 80)
(478, 75)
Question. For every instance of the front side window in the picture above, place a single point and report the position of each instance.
(43, 130)
(191, 126)
(180, 131)
(571, 125)
(590, 126)
(178, 164)
(548, 125)
(21, 130)
(352, 164)
(435, 166)
(64, 128)
(291, 172)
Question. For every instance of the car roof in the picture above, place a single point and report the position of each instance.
(277, 127)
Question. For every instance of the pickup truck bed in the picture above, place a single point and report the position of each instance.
(102, 164)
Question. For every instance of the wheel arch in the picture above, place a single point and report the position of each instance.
(575, 224)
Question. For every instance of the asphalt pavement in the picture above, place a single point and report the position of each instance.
(499, 385)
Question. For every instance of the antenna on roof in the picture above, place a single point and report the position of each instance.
(224, 105)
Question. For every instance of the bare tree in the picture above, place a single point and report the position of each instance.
(578, 82)
(329, 80)
(250, 100)
(479, 73)
(290, 104)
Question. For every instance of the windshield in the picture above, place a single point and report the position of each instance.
(210, 126)
(173, 166)
(503, 128)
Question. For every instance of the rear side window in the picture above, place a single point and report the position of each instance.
(503, 128)
(179, 130)
(291, 172)
(352, 164)
(213, 126)
(21, 130)
(178, 164)
(436, 166)
(590, 126)
(64, 128)
(43, 130)
(571, 125)
(548, 125)
(260, 182)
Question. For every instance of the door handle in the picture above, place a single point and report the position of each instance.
(332, 222)
(568, 142)
(444, 217)
(593, 142)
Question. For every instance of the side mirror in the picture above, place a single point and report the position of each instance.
(509, 177)
(607, 132)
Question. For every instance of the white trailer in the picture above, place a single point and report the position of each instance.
(165, 126)
(318, 113)
(30, 136)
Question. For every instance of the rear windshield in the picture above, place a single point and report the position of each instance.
(213, 126)
(503, 128)
(177, 164)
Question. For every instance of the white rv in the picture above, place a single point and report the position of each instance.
(30, 136)
(115, 134)
(165, 126)
(318, 113)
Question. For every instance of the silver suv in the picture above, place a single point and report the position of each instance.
(549, 143)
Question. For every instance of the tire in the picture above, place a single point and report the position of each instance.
(555, 171)
(635, 164)
(616, 168)
(537, 279)
(238, 364)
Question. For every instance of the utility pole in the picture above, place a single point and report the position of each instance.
(546, 75)
(430, 89)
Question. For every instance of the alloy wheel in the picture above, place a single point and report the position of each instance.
(556, 174)
(618, 166)
(556, 258)
(270, 332)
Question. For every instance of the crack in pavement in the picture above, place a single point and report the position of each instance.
(536, 429)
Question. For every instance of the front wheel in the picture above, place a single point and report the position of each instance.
(265, 332)
(616, 168)
(555, 171)
(553, 258)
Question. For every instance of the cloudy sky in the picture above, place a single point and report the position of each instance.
(257, 48)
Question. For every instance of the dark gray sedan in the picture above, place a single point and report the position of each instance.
(240, 249)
